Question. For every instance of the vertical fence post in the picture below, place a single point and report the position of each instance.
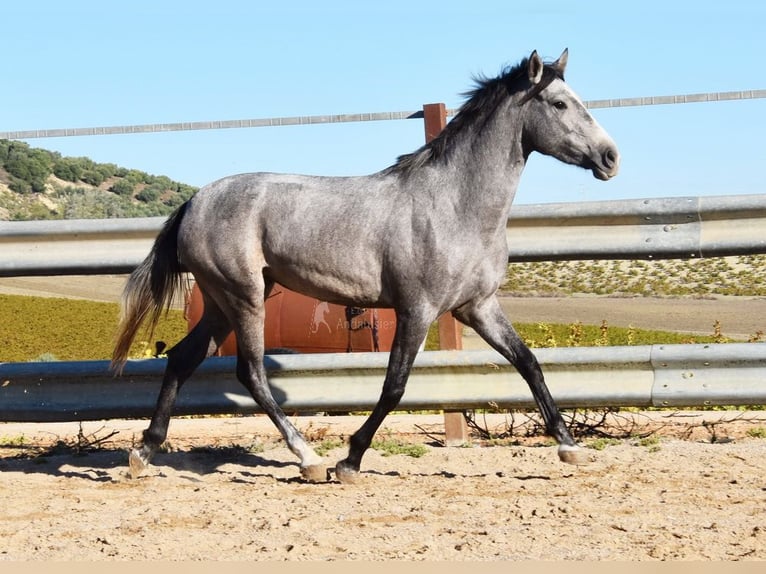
(450, 330)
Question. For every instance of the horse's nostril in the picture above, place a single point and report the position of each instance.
(610, 157)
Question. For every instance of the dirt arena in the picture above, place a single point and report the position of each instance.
(229, 490)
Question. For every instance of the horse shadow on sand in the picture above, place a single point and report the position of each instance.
(234, 463)
(111, 465)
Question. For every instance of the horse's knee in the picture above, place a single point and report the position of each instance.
(391, 396)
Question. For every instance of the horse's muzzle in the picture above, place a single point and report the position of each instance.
(609, 164)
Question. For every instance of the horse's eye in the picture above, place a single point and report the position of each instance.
(559, 105)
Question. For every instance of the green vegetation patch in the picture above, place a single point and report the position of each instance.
(537, 335)
(602, 442)
(579, 335)
(41, 328)
(391, 447)
(42, 184)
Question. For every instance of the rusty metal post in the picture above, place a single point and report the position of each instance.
(450, 331)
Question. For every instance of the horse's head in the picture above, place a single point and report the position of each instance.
(557, 123)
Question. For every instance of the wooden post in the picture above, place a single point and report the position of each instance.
(450, 331)
(434, 120)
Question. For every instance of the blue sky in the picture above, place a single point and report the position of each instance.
(85, 63)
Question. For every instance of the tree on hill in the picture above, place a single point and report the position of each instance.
(97, 190)
(28, 168)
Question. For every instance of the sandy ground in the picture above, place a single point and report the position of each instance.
(95, 288)
(681, 497)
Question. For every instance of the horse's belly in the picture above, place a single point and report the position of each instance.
(347, 287)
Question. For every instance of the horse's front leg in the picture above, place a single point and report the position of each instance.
(410, 333)
(486, 317)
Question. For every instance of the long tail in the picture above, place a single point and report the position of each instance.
(150, 289)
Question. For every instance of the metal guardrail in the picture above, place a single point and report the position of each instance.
(661, 228)
(75, 246)
(590, 377)
(664, 375)
(682, 227)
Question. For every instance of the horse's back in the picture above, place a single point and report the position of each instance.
(325, 236)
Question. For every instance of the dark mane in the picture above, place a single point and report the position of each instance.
(481, 103)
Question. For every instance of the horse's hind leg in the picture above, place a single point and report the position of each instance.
(183, 359)
(486, 317)
(250, 315)
(251, 373)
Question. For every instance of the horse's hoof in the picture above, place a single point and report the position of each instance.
(346, 474)
(137, 463)
(572, 455)
(315, 473)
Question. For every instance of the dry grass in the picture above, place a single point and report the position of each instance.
(743, 275)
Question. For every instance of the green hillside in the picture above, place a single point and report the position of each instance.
(41, 184)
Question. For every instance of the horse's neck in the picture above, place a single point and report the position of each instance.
(487, 169)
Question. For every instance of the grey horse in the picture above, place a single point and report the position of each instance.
(427, 238)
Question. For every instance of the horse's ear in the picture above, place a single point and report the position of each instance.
(535, 68)
(561, 64)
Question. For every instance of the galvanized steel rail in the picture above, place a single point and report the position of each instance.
(661, 228)
(683, 227)
(660, 375)
(75, 246)
(589, 377)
